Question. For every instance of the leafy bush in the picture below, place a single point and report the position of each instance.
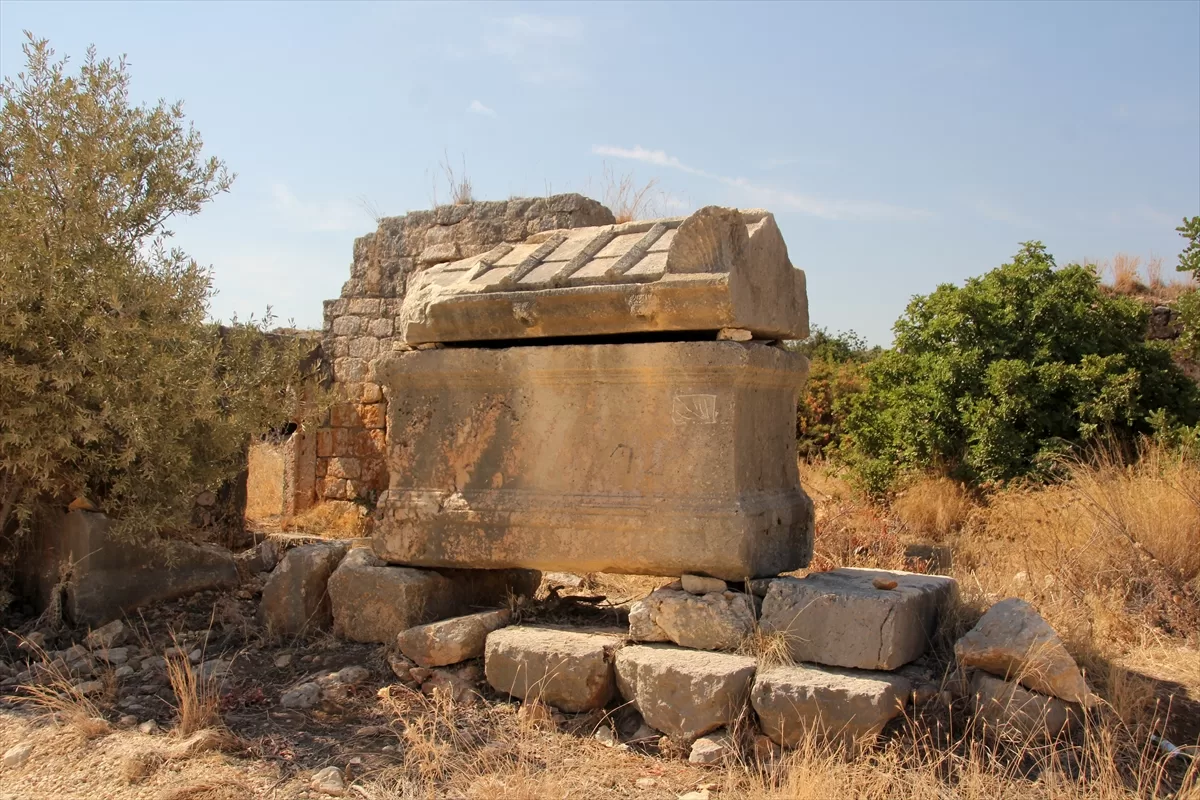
(113, 388)
(836, 371)
(994, 379)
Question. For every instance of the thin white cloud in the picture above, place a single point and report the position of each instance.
(540, 47)
(770, 197)
(325, 216)
(477, 107)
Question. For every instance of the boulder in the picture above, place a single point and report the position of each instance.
(569, 670)
(452, 640)
(714, 621)
(295, 598)
(1013, 642)
(681, 692)
(375, 602)
(111, 576)
(841, 619)
(790, 701)
(1011, 710)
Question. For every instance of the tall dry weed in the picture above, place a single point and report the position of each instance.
(197, 695)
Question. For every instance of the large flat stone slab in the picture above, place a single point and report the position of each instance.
(658, 458)
(570, 670)
(718, 268)
(793, 702)
(1013, 642)
(374, 601)
(112, 576)
(842, 619)
(712, 621)
(682, 692)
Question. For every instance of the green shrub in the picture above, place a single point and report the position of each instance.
(113, 388)
(836, 371)
(992, 380)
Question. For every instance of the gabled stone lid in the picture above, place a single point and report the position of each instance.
(718, 268)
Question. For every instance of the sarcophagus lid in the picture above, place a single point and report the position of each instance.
(718, 268)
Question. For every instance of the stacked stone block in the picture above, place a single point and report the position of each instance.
(359, 325)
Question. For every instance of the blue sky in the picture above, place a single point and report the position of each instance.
(899, 145)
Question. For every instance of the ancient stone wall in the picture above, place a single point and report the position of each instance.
(359, 324)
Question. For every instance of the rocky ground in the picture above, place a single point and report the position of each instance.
(115, 713)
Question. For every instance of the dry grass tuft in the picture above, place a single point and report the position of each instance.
(54, 694)
(1124, 274)
(198, 697)
(333, 519)
(627, 200)
(458, 183)
(769, 648)
(933, 508)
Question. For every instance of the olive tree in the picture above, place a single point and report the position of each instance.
(114, 389)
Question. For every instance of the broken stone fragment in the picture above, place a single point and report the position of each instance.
(714, 621)
(682, 692)
(792, 701)
(294, 599)
(374, 601)
(712, 749)
(569, 670)
(107, 636)
(841, 619)
(701, 584)
(1014, 643)
(452, 640)
(1011, 710)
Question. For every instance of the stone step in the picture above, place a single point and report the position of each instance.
(857, 618)
(793, 702)
(570, 670)
(374, 601)
(683, 692)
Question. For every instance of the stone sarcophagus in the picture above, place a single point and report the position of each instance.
(661, 449)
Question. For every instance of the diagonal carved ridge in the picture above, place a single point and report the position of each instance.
(530, 262)
(637, 252)
(589, 251)
(488, 260)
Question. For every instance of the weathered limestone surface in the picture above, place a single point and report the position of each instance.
(684, 692)
(359, 326)
(1010, 709)
(1013, 642)
(718, 268)
(656, 458)
(713, 621)
(375, 602)
(840, 619)
(453, 640)
(790, 701)
(112, 576)
(294, 599)
(569, 670)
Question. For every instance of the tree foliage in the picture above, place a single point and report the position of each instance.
(113, 388)
(1189, 259)
(991, 380)
(837, 366)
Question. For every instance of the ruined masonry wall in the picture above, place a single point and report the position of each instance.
(359, 325)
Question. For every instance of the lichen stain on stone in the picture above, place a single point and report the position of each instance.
(471, 439)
